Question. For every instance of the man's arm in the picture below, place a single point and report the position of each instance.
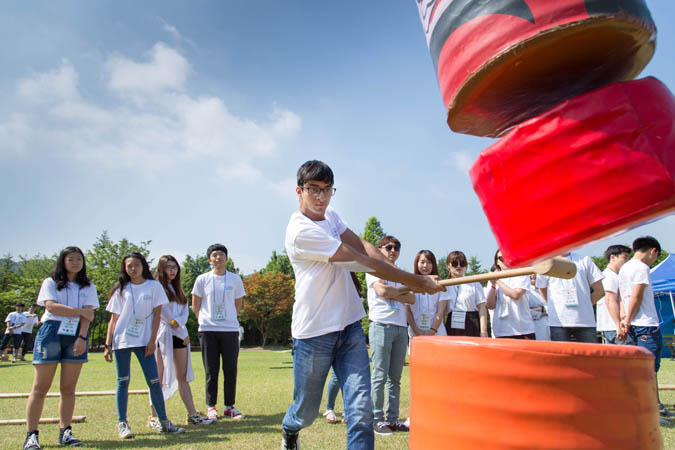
(385, 270)
(634, 304)
(196, 304)
(237, 303)
(612, 302)
(544, 293)
(363, 246)
(399, 293)
(597, 291)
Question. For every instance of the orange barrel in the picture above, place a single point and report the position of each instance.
(477, 393)
(500, 62)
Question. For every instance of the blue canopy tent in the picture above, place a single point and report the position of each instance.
(663, 282)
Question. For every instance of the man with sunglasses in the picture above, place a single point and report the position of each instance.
(327, 312)
(570, 302)
(388, 333)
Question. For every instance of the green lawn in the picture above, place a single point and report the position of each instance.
(264, 392)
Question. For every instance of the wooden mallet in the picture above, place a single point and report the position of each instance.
(556, 267)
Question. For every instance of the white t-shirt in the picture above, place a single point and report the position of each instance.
(135, 309)
(325, 296)
(13, 319)
(218, 311)
(31, 321)
(467, 297)
(569, 301)
(425, 309)
(72, 295)
(611, 284)
(383, 310)
(513, 317)
(632, 273)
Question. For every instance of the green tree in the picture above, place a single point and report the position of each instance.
(279, 263)
(269, 305)
(373, 232)
(443, 268)
(475, 267)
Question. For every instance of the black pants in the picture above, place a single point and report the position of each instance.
(26, 343)
(217, 345)
(16, 340)
(471, 325)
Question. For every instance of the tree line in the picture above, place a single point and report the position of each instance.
(267, 308)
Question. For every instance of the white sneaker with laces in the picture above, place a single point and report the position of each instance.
(212, 413)
(124, 431)
(330, 416)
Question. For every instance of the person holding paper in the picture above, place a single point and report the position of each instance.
(426, 315)
(327, 313)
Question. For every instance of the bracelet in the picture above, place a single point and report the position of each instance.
(435, 330)
(107, 346)
(84, 338)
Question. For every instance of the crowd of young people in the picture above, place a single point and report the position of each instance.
(149, 313)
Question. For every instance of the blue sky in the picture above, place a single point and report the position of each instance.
(184, 123)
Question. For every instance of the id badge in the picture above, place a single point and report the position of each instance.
(504, 312)
(135, 327)
(68, 326)
(219, 313)
(570, 297)
(425, 322)
(458, 320)
(394, 305)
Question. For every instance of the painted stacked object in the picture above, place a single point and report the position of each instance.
(469, 393)
(501, 62)
(592, 165)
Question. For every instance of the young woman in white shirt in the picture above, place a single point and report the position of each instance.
(136, 305)
(467, 313)
(173, 344)
(69, 299)
(508, 297)
(425, 316)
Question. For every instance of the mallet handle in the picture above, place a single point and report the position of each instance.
(509, 273)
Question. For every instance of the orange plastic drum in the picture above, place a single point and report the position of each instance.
(477, 393)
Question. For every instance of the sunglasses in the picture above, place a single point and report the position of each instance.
(499, 258)
(391, 247)
(457, 264)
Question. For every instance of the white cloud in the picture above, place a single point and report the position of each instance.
(166, 69)
(151, 124)
(461, 160)
(14, 134)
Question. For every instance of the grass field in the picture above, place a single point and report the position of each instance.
(264, 392)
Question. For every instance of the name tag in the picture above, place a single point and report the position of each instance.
(135, 327)
(569, 296)
(458, 320)
(394, 305)
(425, 322)
(219, 313)
(68, 326)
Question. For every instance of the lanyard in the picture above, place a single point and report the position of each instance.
(79, 288)
(213, 284)
(133, 301)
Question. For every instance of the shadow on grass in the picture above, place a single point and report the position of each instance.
(280, 367)
(204, 434)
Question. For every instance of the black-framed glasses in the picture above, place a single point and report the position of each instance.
(457, 264)
(316, 190)
(391, 247)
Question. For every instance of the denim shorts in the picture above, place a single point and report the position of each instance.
(51, 347)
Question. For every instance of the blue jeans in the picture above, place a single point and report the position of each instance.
(388, 344)
(649, 338)
(149, 367)
(582, 334)
(332, 391)
(346, 352)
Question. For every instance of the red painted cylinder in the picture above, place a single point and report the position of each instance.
(500, 62)
(592, 166)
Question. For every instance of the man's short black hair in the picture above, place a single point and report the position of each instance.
(215, 248)
(646, 243)
(315, 170)
(616, 250)
(19, 305)
(33, 305)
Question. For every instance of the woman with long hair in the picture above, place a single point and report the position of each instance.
(69, 299)
(425, 316)
(512, 318)
(467, 314)
(173, 344)
(135, 308)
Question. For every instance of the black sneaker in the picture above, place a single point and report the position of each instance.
(382, 428)
(31, 442)
(66, 437)
(290, 441)
(398, 426)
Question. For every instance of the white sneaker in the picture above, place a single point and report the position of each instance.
(330, 416)
(169, 428)
(212, 413)
(198, 419)
(233, 413)
(124, 431)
